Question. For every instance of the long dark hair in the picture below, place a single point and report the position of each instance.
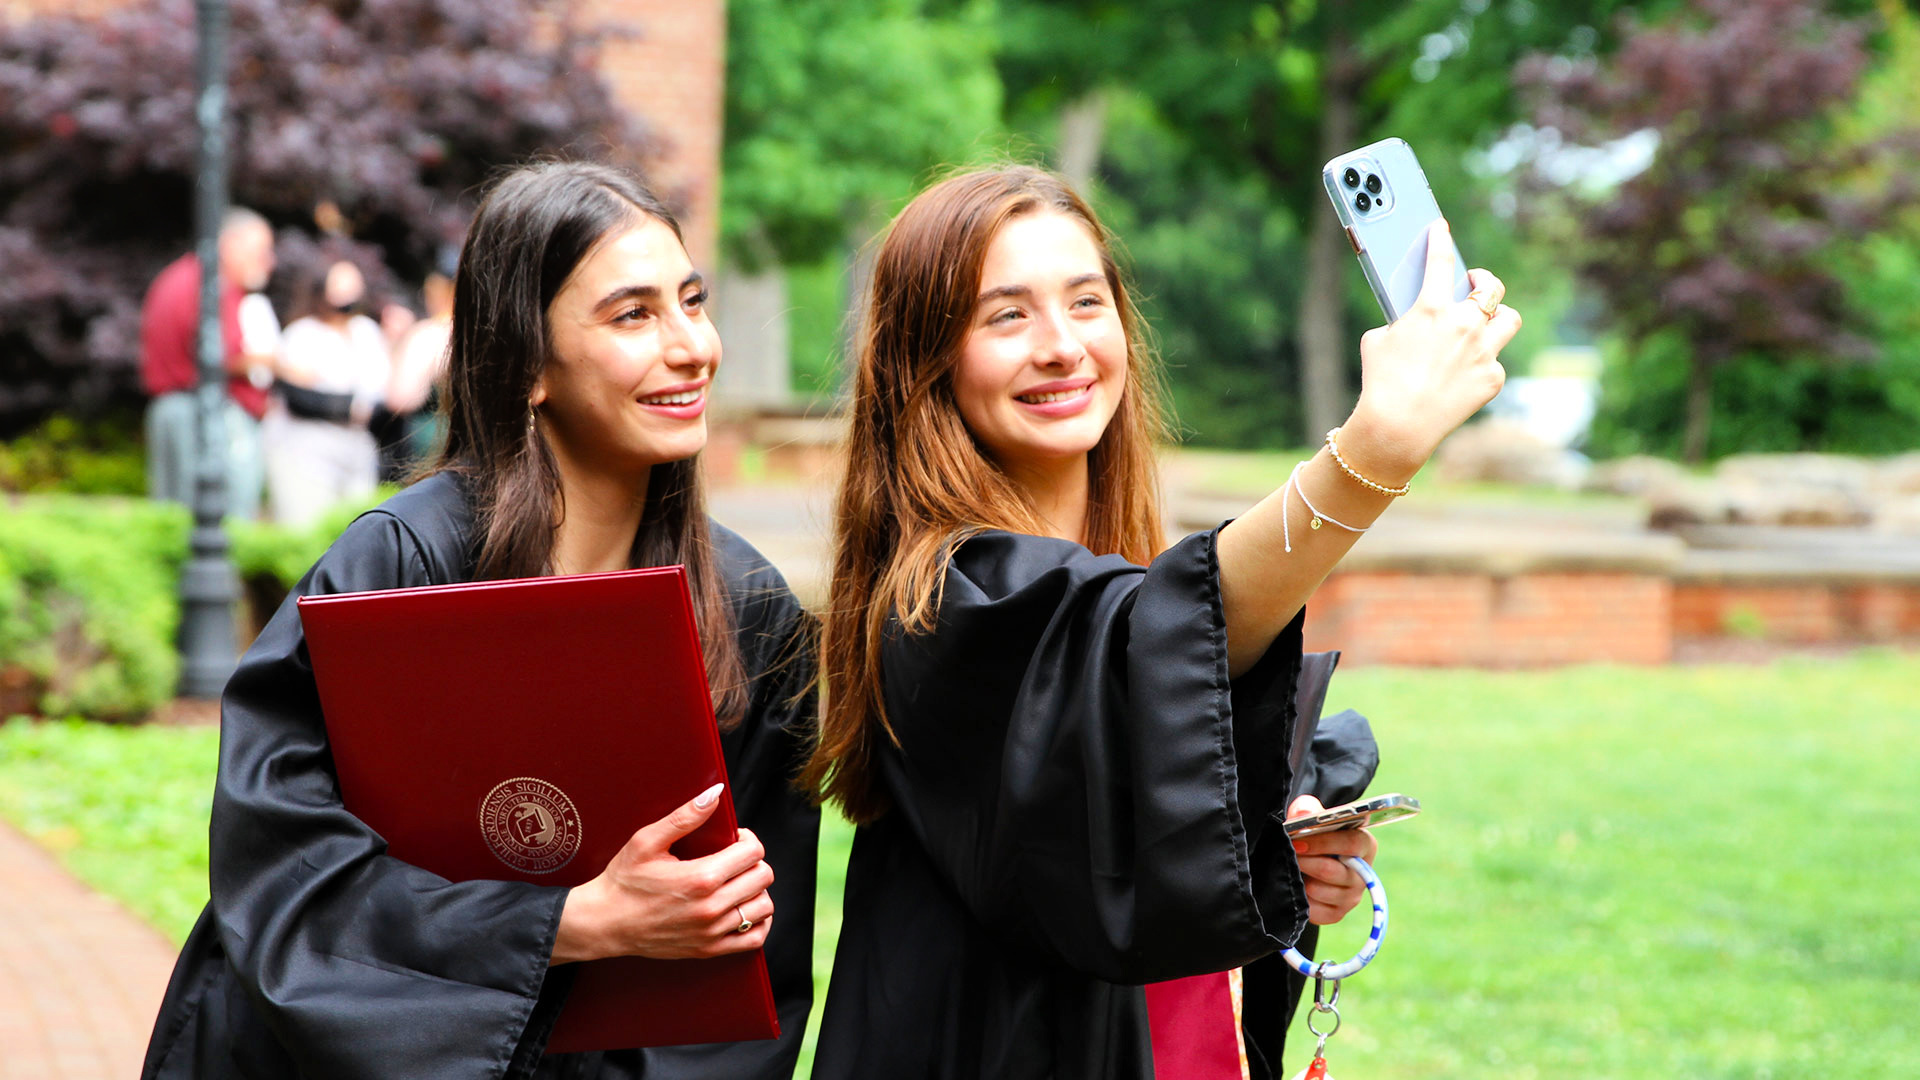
(533, 228)
(917, 481)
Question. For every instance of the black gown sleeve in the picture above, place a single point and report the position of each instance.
(1080, 769)
(362, 965)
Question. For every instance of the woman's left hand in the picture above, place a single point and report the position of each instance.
(1333, 889)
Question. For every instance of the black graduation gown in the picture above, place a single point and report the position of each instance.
(321, 956)
(1082, 802)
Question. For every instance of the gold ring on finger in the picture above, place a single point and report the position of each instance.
(746, 924)
(1488, 303)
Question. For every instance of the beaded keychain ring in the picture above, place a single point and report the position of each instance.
(1327, 970)
(1326, 997)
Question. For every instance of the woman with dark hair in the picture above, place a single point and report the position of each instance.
(333, 349)
(580, 361)
(1066, 744)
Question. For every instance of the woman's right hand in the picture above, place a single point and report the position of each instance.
(649, 902)
(1421, 377)
(1430, 370)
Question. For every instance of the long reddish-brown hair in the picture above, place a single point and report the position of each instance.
(917, 482)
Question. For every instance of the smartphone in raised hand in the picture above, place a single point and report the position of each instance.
(1387, 209)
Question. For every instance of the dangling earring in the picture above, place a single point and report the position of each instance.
(529, 417)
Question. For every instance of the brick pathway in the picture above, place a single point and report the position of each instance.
(80, 978)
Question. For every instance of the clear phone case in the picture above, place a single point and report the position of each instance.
(1386, 208)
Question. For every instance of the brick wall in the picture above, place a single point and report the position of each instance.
(1806, 612)
(1786, 612)
(672, 71)
(1542, 619)
(1883, 611)
(1527, 620)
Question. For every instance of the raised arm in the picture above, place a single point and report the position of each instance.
(1421, 377)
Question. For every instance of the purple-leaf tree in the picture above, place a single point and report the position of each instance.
(394, 111)
(1724, 239)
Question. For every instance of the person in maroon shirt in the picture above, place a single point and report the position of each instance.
(169, 366)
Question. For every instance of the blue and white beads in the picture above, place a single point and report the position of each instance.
(1368, 951)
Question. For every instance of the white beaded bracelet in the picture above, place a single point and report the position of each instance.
(1314, 521)
(1383, 489)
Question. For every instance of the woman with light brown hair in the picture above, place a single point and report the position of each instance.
(1066, 746)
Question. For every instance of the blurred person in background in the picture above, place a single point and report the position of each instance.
(169, 365)
(319, 458)
(259, 337)
(409, 427)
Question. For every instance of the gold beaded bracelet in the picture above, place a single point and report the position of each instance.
(1383, 489)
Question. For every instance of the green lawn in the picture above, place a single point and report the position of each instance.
(1691, 872)
(1652, 873)
(124, 807)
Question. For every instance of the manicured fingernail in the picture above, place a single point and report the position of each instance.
(707, 797)
(1299, 847)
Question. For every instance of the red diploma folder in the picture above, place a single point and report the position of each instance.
(524, 730)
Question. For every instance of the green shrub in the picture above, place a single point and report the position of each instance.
(88, 606)
(89, 598)
(125, 808)
(64, 455)
(272, 558)
(1759, 406)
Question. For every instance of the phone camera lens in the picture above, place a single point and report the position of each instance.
(1352, 177)
(1373, 184)
(1362, 202)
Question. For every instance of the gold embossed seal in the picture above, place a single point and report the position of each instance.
(530, 825)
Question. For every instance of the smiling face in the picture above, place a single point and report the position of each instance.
(632, 353)
(1045, 360)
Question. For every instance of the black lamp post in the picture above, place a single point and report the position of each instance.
(209, 586)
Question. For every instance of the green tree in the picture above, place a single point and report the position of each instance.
(835, 108)
(1250, 100)
(1211, 261)
(1726, 261)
